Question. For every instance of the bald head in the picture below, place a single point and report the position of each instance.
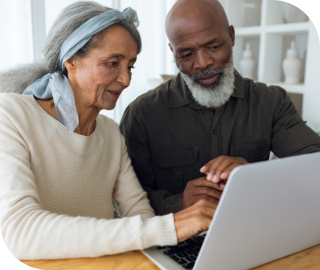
(194, 14)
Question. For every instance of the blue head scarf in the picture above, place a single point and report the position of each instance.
(56, 85)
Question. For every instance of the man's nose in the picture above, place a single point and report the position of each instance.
(124, 77)
(202, 60)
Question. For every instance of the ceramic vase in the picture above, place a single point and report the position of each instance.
(247, 63)
(292, 66)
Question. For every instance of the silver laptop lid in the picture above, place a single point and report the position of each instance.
(268, 210)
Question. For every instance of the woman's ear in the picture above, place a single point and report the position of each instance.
(70, 65)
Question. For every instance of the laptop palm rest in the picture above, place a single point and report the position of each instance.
(268, 210)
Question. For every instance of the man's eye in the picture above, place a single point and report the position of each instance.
(186, 56)
(214, 47)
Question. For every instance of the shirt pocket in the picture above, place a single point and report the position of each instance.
(175, 167)
(251, 151)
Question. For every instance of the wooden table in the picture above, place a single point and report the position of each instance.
(304, 260)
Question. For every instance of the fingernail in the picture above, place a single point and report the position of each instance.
(222, 185)
(215, 179)
(203, 168)
(209, 176)
(223, 175)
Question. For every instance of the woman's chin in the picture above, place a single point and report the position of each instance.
(110, 105)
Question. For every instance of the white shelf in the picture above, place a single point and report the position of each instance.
(290, 28)
(248, 31)
(269, 43)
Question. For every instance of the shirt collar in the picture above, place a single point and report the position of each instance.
(180, 95)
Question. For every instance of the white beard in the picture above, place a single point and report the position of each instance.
(214, 95)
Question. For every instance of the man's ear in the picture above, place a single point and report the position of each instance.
(232, 34)
(70, 65)
(170, 47)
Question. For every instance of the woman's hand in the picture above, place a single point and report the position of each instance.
(194, 219)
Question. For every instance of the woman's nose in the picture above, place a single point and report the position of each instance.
(124, 77)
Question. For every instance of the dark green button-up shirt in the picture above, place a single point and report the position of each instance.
(169, 136)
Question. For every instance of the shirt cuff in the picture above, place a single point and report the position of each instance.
(174, 204)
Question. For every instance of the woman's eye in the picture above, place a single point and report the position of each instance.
(112, 64)
(131, 67)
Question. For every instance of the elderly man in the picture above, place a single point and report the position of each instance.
(188, 134)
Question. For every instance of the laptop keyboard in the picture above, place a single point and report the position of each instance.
(185, 253)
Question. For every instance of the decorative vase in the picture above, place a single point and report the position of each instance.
(247, 63)
(292, 66)
(292, 14)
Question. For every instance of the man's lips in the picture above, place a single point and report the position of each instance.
(115, 94)
(209, 79)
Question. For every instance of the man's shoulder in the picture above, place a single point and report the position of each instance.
(154, 98)
(264, 91)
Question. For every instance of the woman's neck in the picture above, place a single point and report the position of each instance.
(87, 116)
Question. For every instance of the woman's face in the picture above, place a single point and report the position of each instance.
(99, 78)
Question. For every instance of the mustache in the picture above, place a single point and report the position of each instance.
(206, 72)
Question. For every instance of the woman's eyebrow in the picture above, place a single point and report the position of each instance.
(121, 56)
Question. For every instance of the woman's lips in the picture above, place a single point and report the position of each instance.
(114, 94)
(209, 79)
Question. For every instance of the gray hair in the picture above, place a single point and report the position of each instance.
(73, 16)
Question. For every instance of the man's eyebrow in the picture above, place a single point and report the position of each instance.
(206, 44)
(210, 42)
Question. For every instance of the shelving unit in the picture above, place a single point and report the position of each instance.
(269, 38)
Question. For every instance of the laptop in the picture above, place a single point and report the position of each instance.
(268, 210)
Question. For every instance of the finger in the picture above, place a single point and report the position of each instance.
(222, 184)
(206, 167)
(199, 202)
(224, 164)
(206, 201)
(203, 182)
(212, 192)
(212, 175)
(226, 172)
(207, 208)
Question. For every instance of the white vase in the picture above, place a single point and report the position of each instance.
(247, 63)
(292, 66)
(292, 14)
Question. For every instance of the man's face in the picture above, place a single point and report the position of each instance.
(199, 44)
(202, 46)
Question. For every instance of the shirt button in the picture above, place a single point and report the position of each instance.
(214, 132)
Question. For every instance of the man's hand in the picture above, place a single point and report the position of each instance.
(220, 168)
(200, 189)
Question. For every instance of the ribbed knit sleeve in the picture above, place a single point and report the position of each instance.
(128, 193)
(31, 232)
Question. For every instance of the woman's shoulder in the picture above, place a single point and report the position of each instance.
(108, 122)
(109, 129)
(11, 101)
(22, 111)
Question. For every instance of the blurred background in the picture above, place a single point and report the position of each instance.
(276, 43)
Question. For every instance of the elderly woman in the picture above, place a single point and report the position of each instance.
(61, 163)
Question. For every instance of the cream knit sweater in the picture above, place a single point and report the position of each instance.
(56, 188)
